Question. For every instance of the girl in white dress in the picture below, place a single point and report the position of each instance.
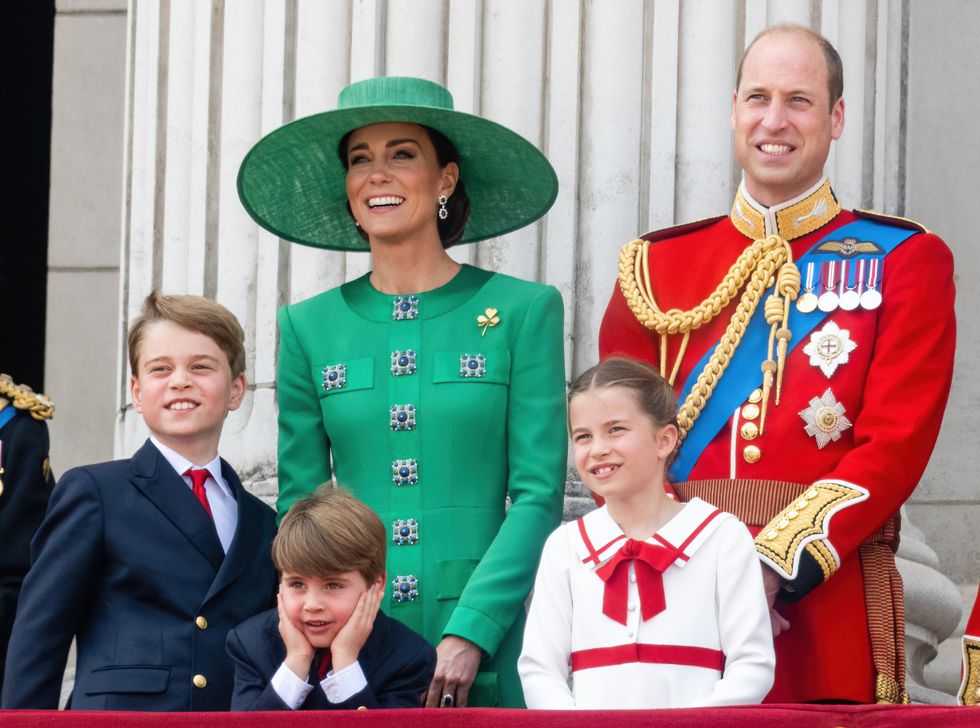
(644, 602)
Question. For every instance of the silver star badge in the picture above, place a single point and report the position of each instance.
(829, 348)
(825, 419)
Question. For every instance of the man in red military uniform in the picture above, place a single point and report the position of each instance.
(812, 350)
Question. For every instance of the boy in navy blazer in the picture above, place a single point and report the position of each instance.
(148, 562)
(327, 646)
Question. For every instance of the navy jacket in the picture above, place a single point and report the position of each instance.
(128, 562)
(397, 663)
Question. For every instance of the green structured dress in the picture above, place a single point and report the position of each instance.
(434, 410)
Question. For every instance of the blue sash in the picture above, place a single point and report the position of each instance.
(743, 373)
(7, 414)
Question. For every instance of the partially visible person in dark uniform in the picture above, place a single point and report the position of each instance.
(25, 484)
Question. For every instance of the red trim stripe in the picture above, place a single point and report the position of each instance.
(593, 556)
(696, 531)
(652, 654)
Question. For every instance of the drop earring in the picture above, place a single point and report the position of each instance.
(443, 212)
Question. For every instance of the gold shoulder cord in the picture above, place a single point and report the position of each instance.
(766, 262)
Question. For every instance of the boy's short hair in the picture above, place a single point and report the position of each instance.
(197, 314)
(330, 532)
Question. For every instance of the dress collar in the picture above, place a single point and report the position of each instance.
(789, 220)
(372, 304)
(600, 537)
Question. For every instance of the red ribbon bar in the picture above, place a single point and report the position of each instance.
(651, 654)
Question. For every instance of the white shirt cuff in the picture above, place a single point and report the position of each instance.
(343, 685)
(291, 688)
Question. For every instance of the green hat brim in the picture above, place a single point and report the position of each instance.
(292, 182)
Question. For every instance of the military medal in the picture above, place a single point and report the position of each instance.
(825, 419)
(871, 298)
(828, 299)
(849, 297)
(829, 347)
(807, 303)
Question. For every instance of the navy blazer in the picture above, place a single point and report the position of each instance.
(397, 663)
(128, 563)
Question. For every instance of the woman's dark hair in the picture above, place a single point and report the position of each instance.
(458, 206)
(653, 394)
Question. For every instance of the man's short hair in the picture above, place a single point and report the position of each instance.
(197, 314)
(835, 67)
(330, 532)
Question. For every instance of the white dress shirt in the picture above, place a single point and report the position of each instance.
(224, 507)
(338, 686)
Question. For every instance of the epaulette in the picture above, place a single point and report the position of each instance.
(671, 232)
(25, 398)
(902, 222)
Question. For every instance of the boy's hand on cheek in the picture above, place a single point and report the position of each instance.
(299, 651)
(350, 639)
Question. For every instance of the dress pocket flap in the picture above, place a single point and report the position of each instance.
(453, 576)
(337, 377)
(127, 679)
(472, 367)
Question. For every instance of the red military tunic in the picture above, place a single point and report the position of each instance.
(893, 387)
(969, 693)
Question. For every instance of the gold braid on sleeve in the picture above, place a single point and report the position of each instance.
(768, 262)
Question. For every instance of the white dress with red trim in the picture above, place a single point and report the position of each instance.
(677, 620)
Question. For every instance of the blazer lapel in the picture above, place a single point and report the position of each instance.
(161, 484)
(245, 544)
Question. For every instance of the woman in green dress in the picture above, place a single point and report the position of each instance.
(433, 390)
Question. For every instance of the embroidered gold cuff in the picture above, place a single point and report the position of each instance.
(806, 520)
(970, 687)
(824, 558)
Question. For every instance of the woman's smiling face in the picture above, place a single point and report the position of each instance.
(394, 181)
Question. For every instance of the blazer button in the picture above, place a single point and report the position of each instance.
(201, 623)
(200, 681)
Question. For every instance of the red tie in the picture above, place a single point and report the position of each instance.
(649, 562)
(323, 663)
(198, 478)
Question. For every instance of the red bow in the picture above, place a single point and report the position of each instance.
(649, 562)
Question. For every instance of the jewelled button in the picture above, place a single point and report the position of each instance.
(749, 430)
(402, 362)
(405, 308)
(405, 472)
(750, 411)
(472, 365)
(402, 417)
(756, 396)
(405, 532)
(751, 454)
(406, 588)
(334, 377)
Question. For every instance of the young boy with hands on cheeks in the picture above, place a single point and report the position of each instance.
(651, 603)
(327, 645)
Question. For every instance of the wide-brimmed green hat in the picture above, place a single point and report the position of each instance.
(292, 182)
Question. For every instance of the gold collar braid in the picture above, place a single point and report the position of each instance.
(767, 262)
